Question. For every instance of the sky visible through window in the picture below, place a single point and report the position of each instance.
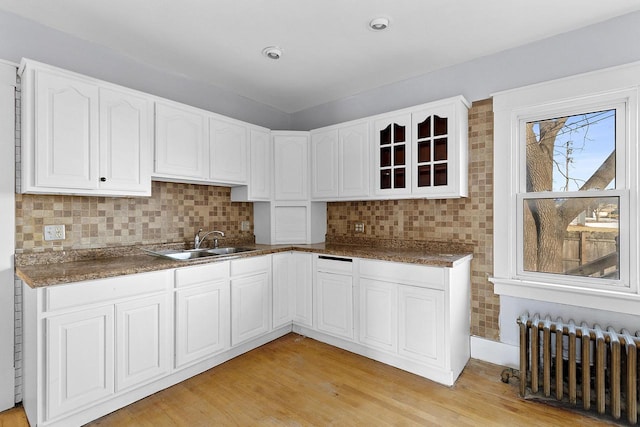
(581, 146)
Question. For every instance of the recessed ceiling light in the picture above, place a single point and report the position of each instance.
(272, 52)
(379, 24)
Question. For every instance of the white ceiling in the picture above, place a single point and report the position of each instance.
(329, 51)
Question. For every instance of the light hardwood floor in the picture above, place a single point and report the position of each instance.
(297, 381)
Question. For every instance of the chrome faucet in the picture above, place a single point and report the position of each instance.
(197, 240)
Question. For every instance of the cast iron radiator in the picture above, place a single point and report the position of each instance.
(580, 364)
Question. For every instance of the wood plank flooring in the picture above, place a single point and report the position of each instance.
(297, 381)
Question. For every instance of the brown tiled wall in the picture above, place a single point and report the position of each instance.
(467, 221)
(172, 214)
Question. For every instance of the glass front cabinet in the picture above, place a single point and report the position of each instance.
(422, 151)
(393, 155)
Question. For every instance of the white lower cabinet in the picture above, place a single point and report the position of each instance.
(143, 343)
(93, 347)
(99, 339)
(421, 324)
(79, 363)
(379, 314)
(202, 312)
(292, 288)
(334, 296)
(250, 298)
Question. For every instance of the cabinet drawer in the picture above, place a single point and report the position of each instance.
(202, 274)
(244, 266)
(103, 290)
(409, 274)
(335, 264)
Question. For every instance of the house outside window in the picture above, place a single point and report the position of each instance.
(566, 190)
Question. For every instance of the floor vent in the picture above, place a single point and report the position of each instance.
(580, 364)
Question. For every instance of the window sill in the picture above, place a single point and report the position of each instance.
(611, 300)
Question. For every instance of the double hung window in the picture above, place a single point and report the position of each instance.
(566, 190)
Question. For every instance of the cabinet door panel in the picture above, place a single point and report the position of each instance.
(324, 165)
(301, 277)
(202, 321)
(80, 366)
(292, 289)
(291, 167)
(66, 132)
(261, 160)
(228, 152)
(379, 314)
(392, 148)
(143, 342)
(354, 166)
(250, 314)
(283, 289)
(182, 147)
(334, 297)
(434, 141)
(291, 224)
(421, 328)
(125, 142)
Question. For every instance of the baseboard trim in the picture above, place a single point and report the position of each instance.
(495, 352)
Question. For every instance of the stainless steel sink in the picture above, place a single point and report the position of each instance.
(189, 254)
(228, 251)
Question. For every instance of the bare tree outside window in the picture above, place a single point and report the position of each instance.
(574, 234)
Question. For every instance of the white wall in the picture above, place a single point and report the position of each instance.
(602, 45)
(20, 37)
(7, 233)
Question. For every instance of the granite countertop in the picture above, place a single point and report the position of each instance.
(55, 268)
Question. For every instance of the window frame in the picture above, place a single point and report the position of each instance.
(601, 90)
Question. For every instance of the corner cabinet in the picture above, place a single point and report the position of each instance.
(422, 151)
(83, 136)
(291, 166)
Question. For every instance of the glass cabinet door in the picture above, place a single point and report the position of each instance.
(432, 159)
(393, 154)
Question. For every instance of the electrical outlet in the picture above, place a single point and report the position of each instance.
(359, 228)
(54, 232)
(245, 226)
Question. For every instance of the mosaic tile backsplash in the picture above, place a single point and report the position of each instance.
(467, 222)
(176, 211)
(173, 213)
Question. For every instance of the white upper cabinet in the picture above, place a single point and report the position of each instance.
(422, 151)
(261, 164)
(340, 167)
(439, 143)
(291, 165)
(182, 143)
(324, 164)
(392, 148)
(228, 151)
(260, 167)
(353, 161)
(66, 149)
(125, 141)
(83, 136)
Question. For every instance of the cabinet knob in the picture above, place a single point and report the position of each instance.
(103, 179)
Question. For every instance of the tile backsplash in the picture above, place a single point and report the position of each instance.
(466, 222)
(173, 213)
